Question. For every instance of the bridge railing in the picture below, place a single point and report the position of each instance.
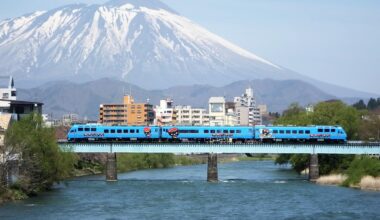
(116, 147)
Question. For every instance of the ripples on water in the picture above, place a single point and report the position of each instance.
(247, 190)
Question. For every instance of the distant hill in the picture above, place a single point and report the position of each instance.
(84, 99)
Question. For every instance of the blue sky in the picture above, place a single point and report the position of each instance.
(336, 41)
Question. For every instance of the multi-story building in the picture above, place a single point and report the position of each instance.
(128, 113)
(186, 115)
(217, 111)
(165, 113)
(247, 111)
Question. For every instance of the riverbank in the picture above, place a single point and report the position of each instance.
(366, 182)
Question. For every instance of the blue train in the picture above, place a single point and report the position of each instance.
(230, 134)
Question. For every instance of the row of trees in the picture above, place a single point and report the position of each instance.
(358, 124)
(41, 162)
(372, 104)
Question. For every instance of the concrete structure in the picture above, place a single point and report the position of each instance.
(217, 111)
(212, 168)
(128, 113)
(248, 113)
(214, 149)
(313, 167)
(165, 114)
(186, 115)
(7, 88)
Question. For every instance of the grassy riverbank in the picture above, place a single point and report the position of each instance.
(363, 173)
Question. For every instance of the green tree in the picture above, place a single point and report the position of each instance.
(42, 163)
(337, 113)
(372, 104)
(360, 105)
(325, 113)
(294, 115)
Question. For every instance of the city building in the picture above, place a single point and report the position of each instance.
(127, 113)
(186, 115)
(9, 103)
(165, 113)
(248, 113)
(217, 111)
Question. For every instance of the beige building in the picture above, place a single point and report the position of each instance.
(127, 113)
(186, 115)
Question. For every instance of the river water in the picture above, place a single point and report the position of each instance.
(247, 190)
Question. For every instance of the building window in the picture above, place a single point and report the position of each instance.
(13, 93)
(5, 95)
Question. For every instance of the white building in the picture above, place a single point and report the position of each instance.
(165, 113)
(248, 113)
(217, 111)
(7, 91)
(186, 115)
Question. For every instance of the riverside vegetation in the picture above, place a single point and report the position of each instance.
(41, 162)
(360, 121)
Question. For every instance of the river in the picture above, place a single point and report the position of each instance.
(247, 190)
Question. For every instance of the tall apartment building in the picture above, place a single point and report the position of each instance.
(248, 113)
(127, 113)
(186, 115)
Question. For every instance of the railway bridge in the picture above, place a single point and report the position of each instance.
(214, 149)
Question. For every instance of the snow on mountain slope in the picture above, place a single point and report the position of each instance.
(141, 41)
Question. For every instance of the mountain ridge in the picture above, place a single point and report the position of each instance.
(84, 98)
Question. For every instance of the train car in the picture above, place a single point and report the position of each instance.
(207, 133)
(320, 133)
(95, 132)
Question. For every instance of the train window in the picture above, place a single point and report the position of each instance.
(327, 129)
(307, 132)
(219, 131)
(112, 131)
(212, 131)
(320, 130)
(106, 131)
(93, 129)
(282, 131)
(119, 131)
(275, 131)
(80, 129)
(206, 131)
(132, 131)
(137, 131)
(287, 131)
(156, 129)
(294, 131)
(300, 131)
(238, 131)
(225, 131)
(86, 129)
(333, 130)
(125, 131)
(194, 131)
(232, 131)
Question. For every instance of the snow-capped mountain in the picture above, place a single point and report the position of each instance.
(141, 41)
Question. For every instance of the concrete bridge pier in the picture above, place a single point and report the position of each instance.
(313, 168)
(212, 168)
(111, 168)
